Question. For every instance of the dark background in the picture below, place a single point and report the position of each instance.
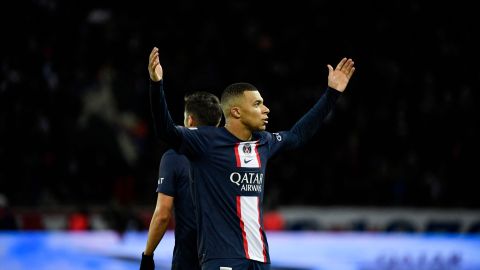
(75, 124)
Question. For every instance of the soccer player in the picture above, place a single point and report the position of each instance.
(201, 109)
(228, 164)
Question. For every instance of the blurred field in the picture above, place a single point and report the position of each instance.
(108, 250)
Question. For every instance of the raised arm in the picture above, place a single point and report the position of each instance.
(165, 128)
(308, 125)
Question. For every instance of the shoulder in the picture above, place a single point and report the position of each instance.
(206, 129)
(172, 155)
(206, 132)
(172, 160)
(199, 131)
(271, 137)
(266, 135)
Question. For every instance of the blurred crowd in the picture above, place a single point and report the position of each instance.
(75, 124)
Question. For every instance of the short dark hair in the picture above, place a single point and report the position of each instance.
(232, 91)
(205, 107)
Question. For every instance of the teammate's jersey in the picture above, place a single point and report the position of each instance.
(173, 180)
(229, 176)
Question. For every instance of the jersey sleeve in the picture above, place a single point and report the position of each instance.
(164, 126)
(168, 173)
(186, 141)
(306, 127)
(195, 140)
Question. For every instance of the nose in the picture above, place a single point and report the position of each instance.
(266, 109)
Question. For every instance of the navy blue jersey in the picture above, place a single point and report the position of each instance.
(173, 180)
(228, 176)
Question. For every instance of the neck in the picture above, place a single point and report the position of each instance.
(241, 132)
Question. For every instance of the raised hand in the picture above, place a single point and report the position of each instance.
(339, 77)
(154, 67)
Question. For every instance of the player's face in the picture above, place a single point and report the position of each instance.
(254, 114)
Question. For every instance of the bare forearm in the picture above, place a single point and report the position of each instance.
(158, 227)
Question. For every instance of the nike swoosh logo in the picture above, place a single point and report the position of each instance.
(247, 160)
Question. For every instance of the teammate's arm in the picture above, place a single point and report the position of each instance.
(158, 226)
(168, 170)
(159, 223)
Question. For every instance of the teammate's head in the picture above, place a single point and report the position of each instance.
(202, 109)
(242, 103)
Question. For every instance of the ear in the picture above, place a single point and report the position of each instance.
(235, 112)
(190, 121)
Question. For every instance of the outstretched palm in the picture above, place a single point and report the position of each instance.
(339, 77)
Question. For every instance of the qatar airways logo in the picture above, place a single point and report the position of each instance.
(248, 181)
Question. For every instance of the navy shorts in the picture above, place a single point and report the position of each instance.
(234, 264)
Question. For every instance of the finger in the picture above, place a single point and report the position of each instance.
(342, 62)
(348, 66)
(153, 56)
(330, 69)
(350, 73)
(154, 65)
(154, 53)
(154, 50)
